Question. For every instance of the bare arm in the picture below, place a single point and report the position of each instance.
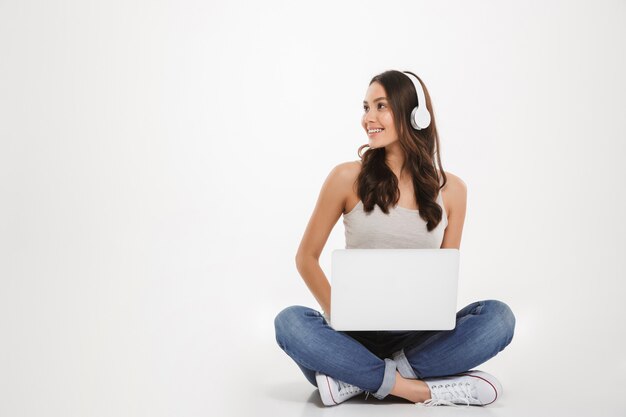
(330, 205)
(456, 198)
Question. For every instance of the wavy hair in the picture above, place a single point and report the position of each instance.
(377, 184)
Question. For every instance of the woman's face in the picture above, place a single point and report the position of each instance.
(378, 115)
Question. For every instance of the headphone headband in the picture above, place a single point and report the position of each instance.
(420, 117)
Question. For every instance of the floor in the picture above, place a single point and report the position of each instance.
(178, 362)
(548, 388)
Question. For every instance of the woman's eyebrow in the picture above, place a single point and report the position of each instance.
(375, 100)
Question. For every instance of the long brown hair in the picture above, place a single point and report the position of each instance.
(377, 184)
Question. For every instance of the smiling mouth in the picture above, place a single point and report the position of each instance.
(374, 132)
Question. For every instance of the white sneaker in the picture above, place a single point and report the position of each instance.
(333, 391)
(468, 388)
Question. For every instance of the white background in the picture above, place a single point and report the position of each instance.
(159, 161)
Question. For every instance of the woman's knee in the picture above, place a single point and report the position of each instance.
(503, 318)
(289, 322)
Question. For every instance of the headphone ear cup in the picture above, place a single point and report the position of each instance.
(420, 119)
(423, 118)
(414, 119)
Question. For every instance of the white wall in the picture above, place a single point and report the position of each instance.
(159, 162)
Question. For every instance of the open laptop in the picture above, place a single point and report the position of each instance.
(394, 289)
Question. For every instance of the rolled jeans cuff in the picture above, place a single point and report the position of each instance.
(404, 367)
(389, 379)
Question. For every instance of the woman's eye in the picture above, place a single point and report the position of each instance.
(365, 108)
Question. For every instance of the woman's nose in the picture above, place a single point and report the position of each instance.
(369, 116)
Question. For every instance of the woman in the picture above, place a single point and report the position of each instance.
(397, 186)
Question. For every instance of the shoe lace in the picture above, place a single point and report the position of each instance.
(450, 394)
(346, 389)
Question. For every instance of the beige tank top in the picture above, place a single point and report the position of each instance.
(402, 228)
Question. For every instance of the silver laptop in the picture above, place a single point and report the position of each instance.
(394, 289)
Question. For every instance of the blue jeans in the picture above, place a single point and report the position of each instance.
(369, 360)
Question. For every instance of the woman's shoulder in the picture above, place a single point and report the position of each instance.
(454, 183)
(348, 170)
(344, 176)
(454, 193)
(352, 166)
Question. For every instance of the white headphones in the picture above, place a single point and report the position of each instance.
(420, 117)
